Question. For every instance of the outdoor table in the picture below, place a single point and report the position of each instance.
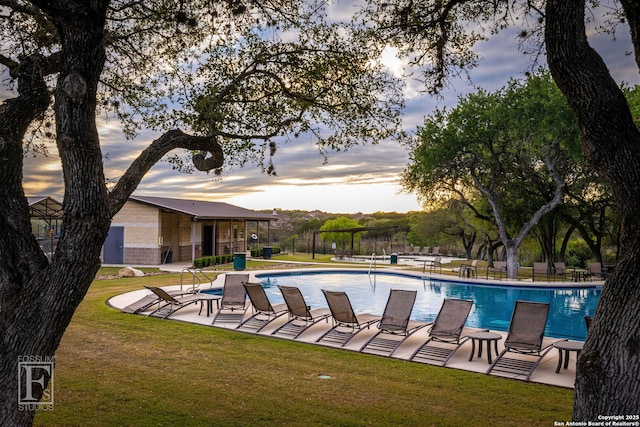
(564, 348)
(481, 337)
(467, 271)
(579, 275)
(209, 299)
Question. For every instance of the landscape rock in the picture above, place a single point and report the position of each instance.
(129, 272)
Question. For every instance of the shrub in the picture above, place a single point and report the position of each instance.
(578, 253)
(208, 261)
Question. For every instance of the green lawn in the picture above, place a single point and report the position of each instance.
(115, 369)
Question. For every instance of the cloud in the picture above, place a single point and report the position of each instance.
(364, 178)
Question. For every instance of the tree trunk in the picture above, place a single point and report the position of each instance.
(608, 376)
(42, 299)
(512, 259)
(594, 245)
(545, 231)
(482, 251)
(20, 255)
(492, 249)
(592, 234)
(38, 298)
(565, 243)
(467, 242)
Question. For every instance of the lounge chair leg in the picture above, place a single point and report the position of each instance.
(560, 361)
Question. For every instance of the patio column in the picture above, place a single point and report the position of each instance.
(193, 240)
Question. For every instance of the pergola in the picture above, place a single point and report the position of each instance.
(345, 230)
(45, 208)
(49, 210)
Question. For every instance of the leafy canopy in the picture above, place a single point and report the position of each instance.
(251, 74)
(342, 239)
(503, 142)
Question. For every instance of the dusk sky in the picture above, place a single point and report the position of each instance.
(363, 179)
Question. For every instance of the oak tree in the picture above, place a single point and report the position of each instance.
(226, 81)
(441, 35)
(510, 147)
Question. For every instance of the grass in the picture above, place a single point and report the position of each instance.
(304, 257)
(115, 369)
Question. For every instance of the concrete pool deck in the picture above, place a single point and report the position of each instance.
(545, 373)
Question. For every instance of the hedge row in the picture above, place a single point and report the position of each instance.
(212, 260)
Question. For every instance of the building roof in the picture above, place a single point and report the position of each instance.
(44, 207)
(200, 210)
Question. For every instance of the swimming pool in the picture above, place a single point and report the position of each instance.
(492, 305)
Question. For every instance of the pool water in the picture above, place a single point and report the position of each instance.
(492, 305)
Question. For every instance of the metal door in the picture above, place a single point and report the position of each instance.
(114, 246)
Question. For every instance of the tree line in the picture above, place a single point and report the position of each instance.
(501, 176)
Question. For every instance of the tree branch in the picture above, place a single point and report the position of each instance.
(632, 15)
(547, 207)
(463, 199)
(151, 155)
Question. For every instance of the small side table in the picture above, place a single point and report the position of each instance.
(209, 299)
(565, 348)
(481, 337)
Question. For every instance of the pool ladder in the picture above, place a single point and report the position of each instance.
(372, 263)
(196, 275)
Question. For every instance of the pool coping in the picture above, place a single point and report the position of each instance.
(544, 373)
(424, 276)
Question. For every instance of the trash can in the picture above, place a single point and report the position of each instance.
(266, 252)
(239, 260)
(394, 258)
